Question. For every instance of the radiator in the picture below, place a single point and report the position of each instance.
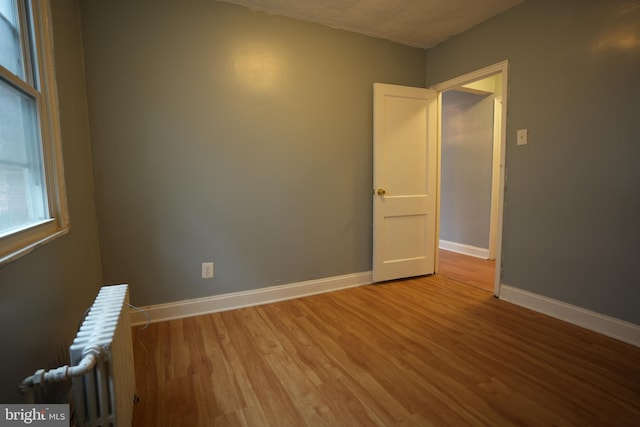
(105, 395)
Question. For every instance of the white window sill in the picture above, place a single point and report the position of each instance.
(20, 244)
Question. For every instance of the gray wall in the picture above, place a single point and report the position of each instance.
(571, 225)
(226, 135)
(467, 160)
(44, 294)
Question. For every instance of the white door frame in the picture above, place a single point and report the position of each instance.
(495, 175)
(503, 68)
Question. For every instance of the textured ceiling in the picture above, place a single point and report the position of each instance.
(419, 23)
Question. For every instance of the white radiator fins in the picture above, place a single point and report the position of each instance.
(123, 370)
(105, 396)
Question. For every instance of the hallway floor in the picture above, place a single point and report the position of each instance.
(470, 270)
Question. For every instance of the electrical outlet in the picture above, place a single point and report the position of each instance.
(207, 270)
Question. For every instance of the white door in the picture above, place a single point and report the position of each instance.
(404, 179)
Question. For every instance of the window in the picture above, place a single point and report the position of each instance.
(32, 201)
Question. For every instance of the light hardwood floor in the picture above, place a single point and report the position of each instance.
(473, 271)
(418, 352)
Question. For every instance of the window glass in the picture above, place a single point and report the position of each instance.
(22, 189)
(11, 54)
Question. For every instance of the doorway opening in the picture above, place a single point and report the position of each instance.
(471, 177)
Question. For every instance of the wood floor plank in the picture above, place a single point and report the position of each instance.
(467, 269)
(428, 351)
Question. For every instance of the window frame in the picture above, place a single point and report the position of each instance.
(27, 239)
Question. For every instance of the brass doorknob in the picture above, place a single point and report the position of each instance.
(381, 192)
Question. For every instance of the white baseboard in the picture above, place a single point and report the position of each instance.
(231, 301)
(462, 248)
(609, 326)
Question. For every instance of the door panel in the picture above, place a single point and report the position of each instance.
(404, 177)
